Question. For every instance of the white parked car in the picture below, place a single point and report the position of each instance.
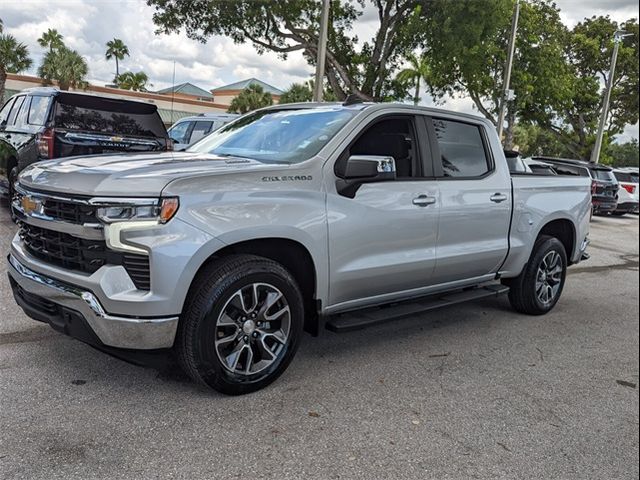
(189, 130)
(628, 190)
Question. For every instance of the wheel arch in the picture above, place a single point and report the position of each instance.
(564, 230)
(292, 255)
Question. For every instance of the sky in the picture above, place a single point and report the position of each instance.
(88, 24)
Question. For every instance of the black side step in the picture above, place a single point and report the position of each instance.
(356, 320)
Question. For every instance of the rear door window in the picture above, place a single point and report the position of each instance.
(38, 110)
(21, 118)
(106, 115)
(200, 129)
(462, 149)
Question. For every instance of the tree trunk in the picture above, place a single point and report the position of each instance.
(416, 98)
(509, 132)
(3, 79)
(117, 70)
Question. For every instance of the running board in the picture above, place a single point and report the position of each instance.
(358, 319)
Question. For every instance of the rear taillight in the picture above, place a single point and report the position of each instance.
(44, 141)
(594, 187)
(629, 188)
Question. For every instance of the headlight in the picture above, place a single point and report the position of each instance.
(136, 209)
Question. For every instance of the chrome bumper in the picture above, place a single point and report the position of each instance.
(113, 331)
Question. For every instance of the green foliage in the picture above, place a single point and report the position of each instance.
(117, 50)
(364, 68)
(251, 98)
(14, 57)
(296, 93)
(417, 71)
(51, 39)
(623, 154)
(133, 81)
(64, 66)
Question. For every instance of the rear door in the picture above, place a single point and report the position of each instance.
(475, 201)
(86, 124)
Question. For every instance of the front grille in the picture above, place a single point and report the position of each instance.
(69, 252)
(69, 211)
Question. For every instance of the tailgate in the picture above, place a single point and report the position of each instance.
(69, 144)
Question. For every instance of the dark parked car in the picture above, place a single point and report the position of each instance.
(42, 123)
(604, 186)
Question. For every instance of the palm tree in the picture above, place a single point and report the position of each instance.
(417, 71)
(64, 66)
(14, 58)
(118, 50)
(51, 39)
(133, 81)
(251, 98)
(297, 92)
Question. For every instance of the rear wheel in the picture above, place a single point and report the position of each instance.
(242, 325)
(537, 289)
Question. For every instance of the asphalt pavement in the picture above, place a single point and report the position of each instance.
(472, 391)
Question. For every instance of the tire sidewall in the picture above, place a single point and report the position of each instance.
(549, 245)
(210, 368)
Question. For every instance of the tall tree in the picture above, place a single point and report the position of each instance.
(363, 68)
(14, 57)
(251, 98)
(588, 54)
(64, 66)
(466, 45)
(118, 50)
(51, 39)
(417, 71)
(133, 81)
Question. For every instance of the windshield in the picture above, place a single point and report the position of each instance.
(278, 136)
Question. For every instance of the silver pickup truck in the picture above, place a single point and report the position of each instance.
(291, 218)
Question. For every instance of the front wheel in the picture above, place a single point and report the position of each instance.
(241, 325)
(538, 288)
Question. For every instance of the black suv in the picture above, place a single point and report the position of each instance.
(604, 186)
(43, 123)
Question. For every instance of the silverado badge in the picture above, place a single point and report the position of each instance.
(30, 205)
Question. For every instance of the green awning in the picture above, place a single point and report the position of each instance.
(169, 118)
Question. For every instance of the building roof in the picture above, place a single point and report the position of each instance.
(187, 89)
(241, 85)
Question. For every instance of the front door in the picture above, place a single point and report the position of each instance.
(383, 240)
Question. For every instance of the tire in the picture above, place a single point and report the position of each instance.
(526, 290)
(619, 214)
(227, 313)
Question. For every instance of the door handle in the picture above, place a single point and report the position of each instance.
(498, 197)
(424, 200)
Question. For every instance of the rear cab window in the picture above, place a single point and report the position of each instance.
(462, 149)
(109, 116)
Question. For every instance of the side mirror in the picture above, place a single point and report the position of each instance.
(370, 167)
(179, 147)
(361, 169)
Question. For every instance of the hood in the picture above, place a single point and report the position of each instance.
(139, 175)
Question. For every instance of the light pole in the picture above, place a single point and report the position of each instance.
(322, 52)
(617, 39)
(507, 75)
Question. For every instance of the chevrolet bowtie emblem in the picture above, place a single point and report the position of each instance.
(30, 205)
(116, 139)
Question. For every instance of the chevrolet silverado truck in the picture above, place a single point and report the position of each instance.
(289, 219)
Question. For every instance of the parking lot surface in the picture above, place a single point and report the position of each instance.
(473, 391)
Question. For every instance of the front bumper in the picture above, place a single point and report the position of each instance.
(79, 313)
